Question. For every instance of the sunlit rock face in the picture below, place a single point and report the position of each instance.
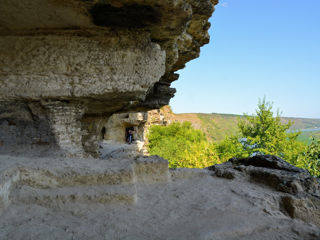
(90, 59)
(103, 68)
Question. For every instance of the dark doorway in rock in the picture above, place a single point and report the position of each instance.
(103, 133)
(129, 134)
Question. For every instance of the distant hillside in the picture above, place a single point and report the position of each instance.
(303, 123)
(217, 126)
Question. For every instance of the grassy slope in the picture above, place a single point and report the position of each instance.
(218, 126)
(303, 123)
(306, 136)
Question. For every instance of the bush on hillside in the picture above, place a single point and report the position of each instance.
(264, 133)
(185, 147)
(182, 145)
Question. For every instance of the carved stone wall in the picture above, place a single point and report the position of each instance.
(65, 119)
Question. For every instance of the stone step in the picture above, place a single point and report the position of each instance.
(71, 173)
(40, 178)
(123, 194)
(52, 182)
(152, 169)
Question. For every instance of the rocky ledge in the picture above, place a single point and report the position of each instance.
(258, 198)
(298, 191)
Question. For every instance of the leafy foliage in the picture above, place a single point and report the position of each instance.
(310, 159)
(231, 147)
(182, 145)
(265, 133)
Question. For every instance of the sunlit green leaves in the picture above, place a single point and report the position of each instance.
(182, 145)
(264, 133)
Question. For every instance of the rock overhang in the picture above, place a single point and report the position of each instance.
(94, 57)
(66, 67)
(179, 27)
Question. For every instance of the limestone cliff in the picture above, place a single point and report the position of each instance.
(67, 65)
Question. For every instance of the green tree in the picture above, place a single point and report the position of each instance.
(231, 147)
(182, 146)
(263, 133)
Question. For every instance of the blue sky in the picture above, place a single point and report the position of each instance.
(258, 48)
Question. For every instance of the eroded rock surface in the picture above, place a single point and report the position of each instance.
(299, 192)
(106, 56)
(140, 198)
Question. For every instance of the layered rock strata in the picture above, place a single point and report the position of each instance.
(106, 56)
(55, 182)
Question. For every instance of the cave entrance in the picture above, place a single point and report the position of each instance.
(129, 134)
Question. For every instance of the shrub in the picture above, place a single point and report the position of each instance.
(182, 145)
(310, 159)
